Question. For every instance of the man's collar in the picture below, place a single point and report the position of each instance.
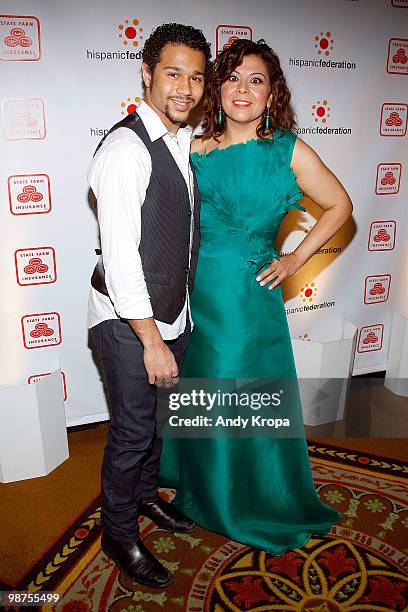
(153, 124)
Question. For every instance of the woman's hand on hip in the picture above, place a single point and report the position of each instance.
(279, 270)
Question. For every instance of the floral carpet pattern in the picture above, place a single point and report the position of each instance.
(361, 565)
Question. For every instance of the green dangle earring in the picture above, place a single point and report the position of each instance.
(267, 119)
(219, 120)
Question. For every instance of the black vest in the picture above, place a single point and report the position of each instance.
(165, 231)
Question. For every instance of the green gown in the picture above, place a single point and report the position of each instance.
(258, 491)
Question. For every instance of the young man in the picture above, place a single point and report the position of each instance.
(148, 213)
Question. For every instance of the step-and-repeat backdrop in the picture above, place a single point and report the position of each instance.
(69, 70)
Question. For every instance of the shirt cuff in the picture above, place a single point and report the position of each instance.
(141, 310)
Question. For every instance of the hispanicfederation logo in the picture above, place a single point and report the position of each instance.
(394, 118)
(41, 330)
(226, 35)
(397, 60)
(324, 48)
(23, 119)
(130, 34)
(19, 38)
(36, 377)
(388, 179)
(35, 266)
(321, 111)
(377, 288)
(29, 194)
(308, 295)
(324, 43)
(370, 338)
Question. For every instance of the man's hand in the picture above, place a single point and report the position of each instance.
(161, 366)
(159, 361)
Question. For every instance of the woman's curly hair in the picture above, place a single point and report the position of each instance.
(281, 113)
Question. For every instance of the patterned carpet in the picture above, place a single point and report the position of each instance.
(361, 565)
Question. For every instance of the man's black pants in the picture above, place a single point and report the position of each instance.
(132, 455)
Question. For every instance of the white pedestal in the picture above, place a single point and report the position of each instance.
(396, 377)
(33, 435)
(324, 370)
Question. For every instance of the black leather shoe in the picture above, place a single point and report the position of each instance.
(136, 562)
(166, 516)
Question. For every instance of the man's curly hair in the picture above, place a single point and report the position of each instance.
(175, 34)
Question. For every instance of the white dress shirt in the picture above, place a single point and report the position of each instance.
(119, 175)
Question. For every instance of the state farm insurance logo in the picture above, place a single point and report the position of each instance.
(36, 377)
(324, 43)
(388, 179)
(29, 194)
(393, 120)
(370, 338)
(41, 330)
(19, 38)
(23, 118)
(226, 35)
(35, 266)
(397, 61)
(321, 111)
(382, 236)
(130, 33)
(377, 288)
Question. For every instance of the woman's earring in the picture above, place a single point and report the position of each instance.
(219, 121)
(267, 119)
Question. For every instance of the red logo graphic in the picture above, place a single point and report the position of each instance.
(400, 57)
(130, 32)
(35, 266)
(382, 236)
(29, 194)
(308, 292)
(393, 119)
(41, 330)
(321, 111)
(388, 178)
(370, 338)
(397, 61)
(377, 288)
(226, 35)
(35, 377)
(19, 38)
(130, 105)
(324, 43)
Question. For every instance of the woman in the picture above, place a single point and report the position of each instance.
(251, 169)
